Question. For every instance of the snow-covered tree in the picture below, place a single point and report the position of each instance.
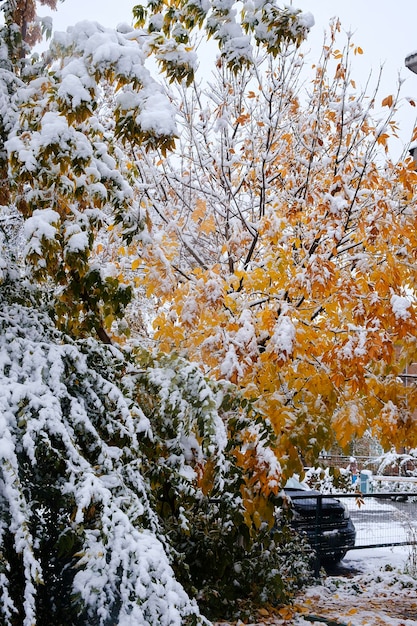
(68, 176)
(104, 454)
(283, 247)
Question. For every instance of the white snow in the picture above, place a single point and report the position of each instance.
(283, 338)
(77, 242)
(377, 592)
(39, 373)
(400, 306)
(42, 225)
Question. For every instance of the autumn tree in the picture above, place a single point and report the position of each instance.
(282, 246)
(107, 455)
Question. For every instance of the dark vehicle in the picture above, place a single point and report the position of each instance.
(324, 520)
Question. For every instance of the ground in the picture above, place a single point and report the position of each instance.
(372, 587)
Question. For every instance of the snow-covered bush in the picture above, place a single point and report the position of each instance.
(80, 540)
(392, 464)
(395, 463)
(206, 468)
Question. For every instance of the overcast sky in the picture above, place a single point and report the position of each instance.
(385, 30)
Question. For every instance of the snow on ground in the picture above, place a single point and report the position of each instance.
(374, 589)
(370, 560)
(371, 587)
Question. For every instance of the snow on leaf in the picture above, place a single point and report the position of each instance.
(400, 306)
(283, 338)
(59, 412)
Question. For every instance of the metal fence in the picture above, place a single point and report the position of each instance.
(380, 519)
(383, 519)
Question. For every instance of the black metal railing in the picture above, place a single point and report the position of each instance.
(380, 519)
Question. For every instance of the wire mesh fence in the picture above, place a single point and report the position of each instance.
(379, 520)
(383, 519)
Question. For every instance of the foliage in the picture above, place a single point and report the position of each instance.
(68, 178)
(230, 574)
(236, 27)
(108, 474)
(216, 501)
(80, 538)
(330, 480)
(282, 249)
(105, 457)
(24, 27)
(81, 541)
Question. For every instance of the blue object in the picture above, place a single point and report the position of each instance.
(365, 482)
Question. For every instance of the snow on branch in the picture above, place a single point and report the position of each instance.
(70, 478)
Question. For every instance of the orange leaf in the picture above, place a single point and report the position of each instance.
(388, 101)
(382, 139)
(242, 119)
(286, 613)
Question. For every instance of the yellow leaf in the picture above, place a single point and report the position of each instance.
(358, 50)
(206, 478)
(208, 226)
(122, 251)
(108, 320)
(200, 210)
(135, 264)
(99, 248)
(263, 612)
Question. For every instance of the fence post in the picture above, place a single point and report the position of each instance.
(317, 562)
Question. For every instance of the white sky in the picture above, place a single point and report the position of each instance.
(385, 33)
